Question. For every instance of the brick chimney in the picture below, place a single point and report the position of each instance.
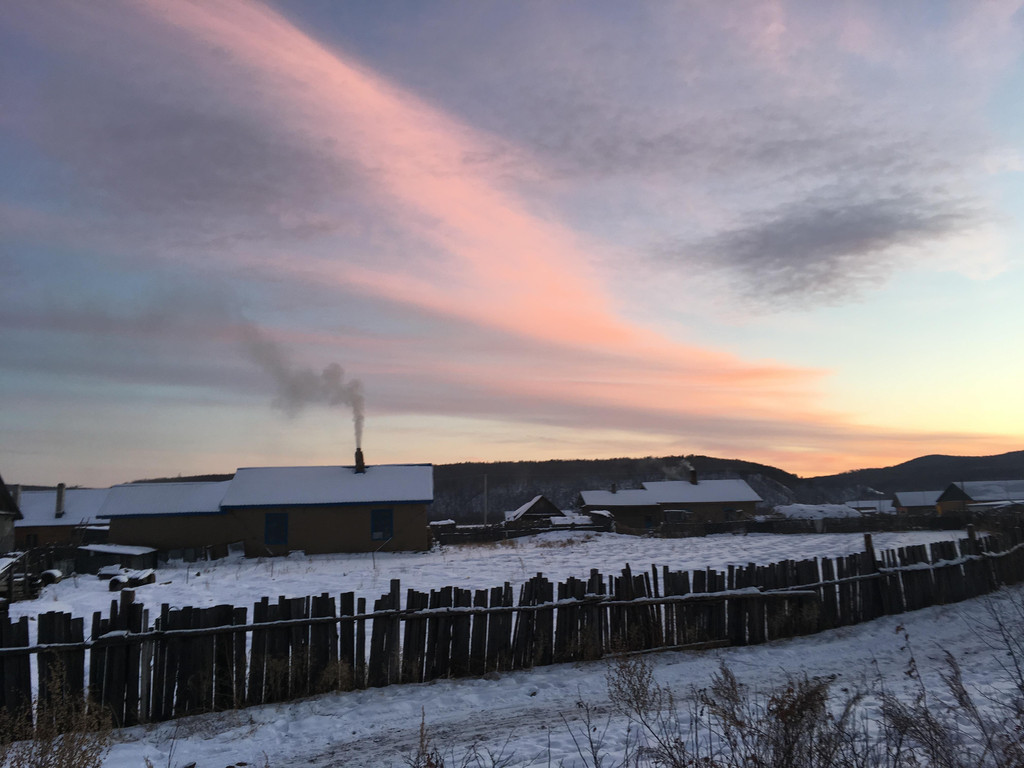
(360, 464)
(59, 508)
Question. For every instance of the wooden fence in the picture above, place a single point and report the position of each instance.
(194, 660)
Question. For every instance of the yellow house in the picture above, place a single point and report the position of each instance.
(275, 510)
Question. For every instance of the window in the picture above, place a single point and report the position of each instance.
(275, 529)
(382, 524)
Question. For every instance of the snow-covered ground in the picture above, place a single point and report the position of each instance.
(557, 555)
(518, 712)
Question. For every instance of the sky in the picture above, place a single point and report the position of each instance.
(241, 234)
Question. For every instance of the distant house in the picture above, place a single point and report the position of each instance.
(275, 510)
(675, 501)
(536, 513)
(9, 515)
(979, 495)
(916, 502)
(60, 516)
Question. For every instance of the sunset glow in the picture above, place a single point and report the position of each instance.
(532, 232)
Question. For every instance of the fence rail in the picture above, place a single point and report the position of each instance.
(194, 660)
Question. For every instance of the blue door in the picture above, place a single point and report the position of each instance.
(382, 525)
(275, 529)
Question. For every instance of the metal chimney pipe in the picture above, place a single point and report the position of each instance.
(693, 476)
(360, 464)
(59, 511)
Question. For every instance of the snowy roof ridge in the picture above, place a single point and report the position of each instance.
(331, 485)
(190, 497)
(81, 505)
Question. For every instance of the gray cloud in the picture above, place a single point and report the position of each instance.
(825, 249)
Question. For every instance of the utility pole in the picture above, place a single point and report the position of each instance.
(485, 499)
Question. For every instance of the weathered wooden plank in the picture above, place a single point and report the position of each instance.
(478, 640)
(376, 667)
(256, 693)
(359, 670)
(462, 598)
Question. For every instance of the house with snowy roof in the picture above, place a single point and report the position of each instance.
(981, 495)
(60, 516)
(275, 510)
(536, 513)
(168, 516)
(674, 501)
(916, 502)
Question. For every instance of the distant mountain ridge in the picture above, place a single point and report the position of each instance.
(464, 491)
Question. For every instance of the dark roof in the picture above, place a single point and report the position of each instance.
(954, 493)
(7, 504)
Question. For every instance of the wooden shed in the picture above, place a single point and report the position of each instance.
(536, 513)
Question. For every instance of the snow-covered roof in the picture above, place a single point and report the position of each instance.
(880, 506)
(288, 486)
(815, 511)
(517, 513)
(81, 505)
(916, 498)
(135, 499)
(117, 549)
(685, 492)
(993, 490)
(570, 518)
(630, 498)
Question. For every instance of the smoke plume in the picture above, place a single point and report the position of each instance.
(299, 387)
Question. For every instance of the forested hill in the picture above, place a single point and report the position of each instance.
(930, 472)
(459, 488)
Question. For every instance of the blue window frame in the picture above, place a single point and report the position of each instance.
(275, 529)
(382, 524)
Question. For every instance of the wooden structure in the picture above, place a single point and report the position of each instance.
(979, 495)
(536, 513)
(149, 666)
(60, 516)
(674, 502)
(275, 510)
(916, 502)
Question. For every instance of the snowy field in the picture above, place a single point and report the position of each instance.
(517, 713)
(557, 555)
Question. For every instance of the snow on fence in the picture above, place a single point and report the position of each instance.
(192, 660)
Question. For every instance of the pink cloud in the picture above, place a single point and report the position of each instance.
(488, 260)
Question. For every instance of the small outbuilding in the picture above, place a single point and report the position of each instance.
(916, 502)
(90, 558)
(536, 513)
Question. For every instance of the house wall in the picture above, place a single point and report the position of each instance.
(714, 512)
(27, 536)
(645, 518)
(316, 530)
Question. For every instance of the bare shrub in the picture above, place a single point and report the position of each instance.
(68, 733)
